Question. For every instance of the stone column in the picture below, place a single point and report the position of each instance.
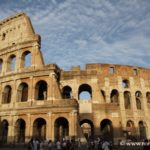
(49, 127)
(11, 130)
(73, 124)
(107, 90)
(122, 110)
(28, 128)
(134, 110)
(50, 87)
(146, 113)
(4, 65)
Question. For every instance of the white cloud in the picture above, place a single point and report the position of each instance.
(76, 32)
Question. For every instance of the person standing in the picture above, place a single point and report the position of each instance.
(49, 145)
(58, 145)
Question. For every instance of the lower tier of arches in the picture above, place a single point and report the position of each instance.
(20, 129)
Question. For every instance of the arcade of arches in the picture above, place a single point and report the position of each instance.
(62, 129)
(48, 102)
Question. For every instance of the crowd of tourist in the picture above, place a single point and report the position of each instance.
(99, 144)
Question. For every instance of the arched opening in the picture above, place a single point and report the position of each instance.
(20, 131)
(23, 92)
(4, 131)
(131, 131)
(67, 92)
(1, 65)
(106, 129)
(11, 64)
(125, 83)
(6, 98)
(148, 97)
(39, 129)
(138, 96)
(114, 96)
(61, 128)
(3, 36)
(102, 92)
(127, 100)
(26, 59)
(41, 90)
(142, 130)
(85, 92)
(87, 128)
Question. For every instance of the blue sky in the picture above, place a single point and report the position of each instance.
(77, 32)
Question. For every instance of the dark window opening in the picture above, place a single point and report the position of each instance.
(41, 90)
(127, 100)
(20, 131)
(85, 92)
(114, 96)
(67, 92)
(23, 92)
(6, 99)
(103, 95)
(106, 129)
(138, 96)
(26, 59)
(1, 65)
(39, 129)
(3, 36)
(148, 97)
(125, 84)
(61, 128)
(142, 130)
(11, 63)
(131, 130)
(4, 131)
(87, 128)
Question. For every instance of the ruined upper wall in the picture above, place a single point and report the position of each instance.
(108, 70)
(16, 29)
(19, 45)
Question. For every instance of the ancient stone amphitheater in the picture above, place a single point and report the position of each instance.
(47, 102)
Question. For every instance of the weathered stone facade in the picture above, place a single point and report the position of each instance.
(45, 101)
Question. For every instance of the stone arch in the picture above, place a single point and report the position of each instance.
(138, 96)
(1, 65)
(22, 92)
(26, 59)
(4, 131)
(11, 63)
(39, 128)
(41, 90)
(127, 100)
(106, 128)
(87, 128)
(67, 92)
(7, 94)
(85, 92)
(130, 128)
(61, 125)
(20, 128)
(125, 83)
(142, 130)
(114, 96)
(148, 97)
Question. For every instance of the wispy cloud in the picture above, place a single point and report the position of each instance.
(77, 32)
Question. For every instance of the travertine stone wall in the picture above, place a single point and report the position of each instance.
(47, 101)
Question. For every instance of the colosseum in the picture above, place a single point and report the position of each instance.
(45, 101)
